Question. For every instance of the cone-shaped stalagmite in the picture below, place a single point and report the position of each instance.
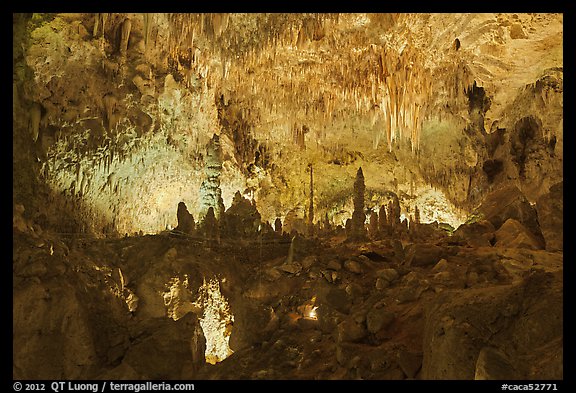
(394, 212)
(278, 226)
(357, 228)
(383, 221)
(185, 219)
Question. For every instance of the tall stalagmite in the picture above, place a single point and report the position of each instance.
(358, 231)
(210, 192)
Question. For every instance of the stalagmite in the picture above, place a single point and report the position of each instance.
(358, 231)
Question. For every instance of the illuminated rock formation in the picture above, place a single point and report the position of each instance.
(377, 196)
(210, 193)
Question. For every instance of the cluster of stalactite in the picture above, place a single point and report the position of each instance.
(295, 67)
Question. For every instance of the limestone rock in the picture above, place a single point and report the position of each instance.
(350, 331)
(516, 31)
(513, 234)
(355, 291)
(338, 299)
(334, 265)
(145, 87)
(389, 275)
(441, 266)
(492, 364)
(443, 277)
(309, 261)
(410, 293)
(122, 372)
(292, 268)
(272, 273)
(378, 318)
(33, 269)
(381, 283)
(410, 362)
(550, 208)
(253, 323)
(422, 254)
(353, 266)
(346, 351)
(171, 340)
(455, 324)
(305, 324)
(509, 202)
(477, 233)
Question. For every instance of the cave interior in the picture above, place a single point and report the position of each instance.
(287, 196)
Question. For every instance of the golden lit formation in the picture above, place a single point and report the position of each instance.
(202, 196)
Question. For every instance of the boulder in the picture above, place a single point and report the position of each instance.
(338, 299)
(353, 266)
(441, 266)
(508, 202)
(443, 277)
(492, 364)
(476, 234)
(350, 330)
(514, 235)
(410, 293)
(422, 254)
(378, 318)
(334, 265)
(517, 32)
(346, 352)
(381, 283)
(389, 275)
(355, 291)
(550, 209)
(309, 261)
(291, 268)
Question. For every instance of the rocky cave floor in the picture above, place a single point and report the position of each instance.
(483, 302)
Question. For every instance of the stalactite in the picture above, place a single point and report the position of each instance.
(125, 36)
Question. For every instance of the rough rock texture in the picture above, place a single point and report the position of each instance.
(459, 325)
(119, 117)
(550, 208)
(514, 234)
(120, 308)
(509, 202)
(477, 234)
